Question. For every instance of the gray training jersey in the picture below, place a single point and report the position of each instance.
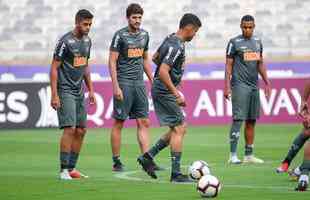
(73, 54)
(246, 54)
(131, 47)
(172, 53)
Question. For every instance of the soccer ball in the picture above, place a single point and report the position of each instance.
(208, 186)
(198, 169)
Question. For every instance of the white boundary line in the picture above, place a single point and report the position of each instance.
(127, 176)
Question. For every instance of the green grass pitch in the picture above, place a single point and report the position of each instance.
(29, 166)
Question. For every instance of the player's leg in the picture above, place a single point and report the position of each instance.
(160, 144)
(233, 139)
(120, 114)
(240, 103)
(78, 138)
(140, 112)
(303, 181)
(116, 144)
(176, 145)
(297, 144)
(67, 120)
(249, 128)
(75, 152)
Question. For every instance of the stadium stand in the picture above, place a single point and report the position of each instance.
(33, 26)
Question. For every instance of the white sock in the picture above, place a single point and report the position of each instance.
(304, 177)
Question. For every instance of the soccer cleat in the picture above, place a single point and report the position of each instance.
(234, 160)
(147, 165)
(180, 178)
(118, 167)
(282, 168)
(156, 167)
(302, 186)
(252, 159)
(64, 175)
(77, 174)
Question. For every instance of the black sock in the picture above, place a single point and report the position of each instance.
(64, 160)
(249, 149)
(73, 160)
(176, 163)
(298, 143)
(160, 145)
(116, 159)
(305, 167)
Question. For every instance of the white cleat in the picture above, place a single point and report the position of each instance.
(252, 159)
(64, 175)
(234, 160)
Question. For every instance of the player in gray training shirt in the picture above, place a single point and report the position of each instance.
(244, 61)
(128, 61)
(69, 69)
(170, 59)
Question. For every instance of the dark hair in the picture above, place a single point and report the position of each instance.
(189, 18)
(247, 18)
(83, 14)
(134, 8)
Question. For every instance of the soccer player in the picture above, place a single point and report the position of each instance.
(300, 139)
(170, 61)
(304, 168)
(244, 61)
(68, 70)
(128, 60)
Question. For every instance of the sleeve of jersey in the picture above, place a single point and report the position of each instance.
(230, 50)
(146, 48)
(261, 48)
(60, 50)
(171, 55)
(115, 44)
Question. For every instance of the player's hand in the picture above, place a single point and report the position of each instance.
(92, 98)
(227, 93)
(55, 102)
(267, 90)
(180, 99)
(118, 94)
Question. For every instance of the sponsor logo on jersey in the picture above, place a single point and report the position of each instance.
(71, 41)
(135, 52)
(251, 56)
(239, 39)
(79, 61)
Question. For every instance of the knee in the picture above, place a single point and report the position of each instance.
(306, 132)
(181, 129)
(80, 132)
(118, 124)
(143, 123)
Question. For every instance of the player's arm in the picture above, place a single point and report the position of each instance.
(117, 92)
(147, 66)
(230, 52)
(166, 80)
(155, 58)
(89, 85)
(263, 73)
(55, 102)
(304, 99)
(115, 48)
(228, 72)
